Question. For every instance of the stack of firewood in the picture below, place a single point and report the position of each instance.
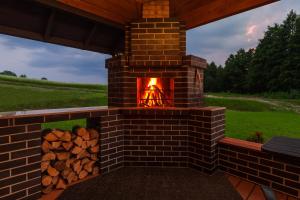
(68, 157)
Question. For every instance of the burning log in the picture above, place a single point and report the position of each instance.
(68, 157)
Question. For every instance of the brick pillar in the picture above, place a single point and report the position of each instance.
(110, 127)
(206, 128)
(20, 159)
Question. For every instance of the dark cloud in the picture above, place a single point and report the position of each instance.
(217, 40)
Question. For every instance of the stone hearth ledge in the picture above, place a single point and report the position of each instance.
(61, 114)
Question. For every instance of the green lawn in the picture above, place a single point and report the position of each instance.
(239, 124)
(27, 96)
(243, 116)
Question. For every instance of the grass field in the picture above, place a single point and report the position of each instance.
(27, 94)
(243, 116)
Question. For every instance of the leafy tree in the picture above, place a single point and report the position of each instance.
(44, 79)
(8, 73)
(23, 76)
(290, 76)
(236, 70)
(271, 55)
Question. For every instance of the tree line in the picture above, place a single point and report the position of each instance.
(10, 73)
(273, 66)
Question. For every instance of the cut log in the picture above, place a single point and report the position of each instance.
(46, 146)
(78, 141)
(52, 171)
(45, 165)
(83, 174)
(55, 180)
(46, 180)
(77, 166)
(69, 162)
(89, 166)
(55, 145)
(63, 155)
(94, 157)
(51, 137)
(67, 145)
(84, 145)
(96, 171)
(58, 133)
(81, 131)
(65, 173)
(48, 189)
(61, 184)
(76, 150)
(93, 134)
(75, 178)
(71, 177)
(82, 154)
(84, 161)
(86, 136)
(67, 137)
(95, 149)
(60, 165)
(49, 156)
(92, 143)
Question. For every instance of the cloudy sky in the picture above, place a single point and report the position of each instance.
(215, 42)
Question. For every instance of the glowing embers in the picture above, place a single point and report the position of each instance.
(155, 92)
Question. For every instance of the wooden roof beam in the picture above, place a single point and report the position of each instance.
(90, 35)
(218, 9)
(49, 25)
(75, 7)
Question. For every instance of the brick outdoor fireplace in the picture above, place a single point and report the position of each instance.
(155, 118)
(155, 52)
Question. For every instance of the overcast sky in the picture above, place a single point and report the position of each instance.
(214, 42)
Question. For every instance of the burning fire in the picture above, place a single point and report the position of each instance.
(153, 94)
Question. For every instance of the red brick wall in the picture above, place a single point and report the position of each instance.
(159, 137)
(248, 161)
(156, 137)
(156, 42)
(188, 81)
(155, 48)
(110, 126)
(206, 128)
(177, 137)
(20, 157)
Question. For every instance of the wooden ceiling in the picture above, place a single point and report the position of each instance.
(193, 12)
(98, 25)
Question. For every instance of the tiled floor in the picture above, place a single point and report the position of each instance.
(250, 191)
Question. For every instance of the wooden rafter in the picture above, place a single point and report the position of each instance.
(214, 10)
(49, 24)
(90, 35)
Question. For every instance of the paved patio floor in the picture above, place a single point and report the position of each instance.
(153, 184)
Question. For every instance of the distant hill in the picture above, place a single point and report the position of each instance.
(49, 84)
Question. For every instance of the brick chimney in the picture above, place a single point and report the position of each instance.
(155, 46)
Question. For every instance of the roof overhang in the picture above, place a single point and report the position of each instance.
(98, 25)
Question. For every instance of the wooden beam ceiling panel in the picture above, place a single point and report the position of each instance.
(213, 10)
(49, 24)
(117, 11)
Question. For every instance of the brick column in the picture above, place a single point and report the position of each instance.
(206, 128)
(110, 127)
(20, 158)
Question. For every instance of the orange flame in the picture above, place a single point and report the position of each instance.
(153, 95)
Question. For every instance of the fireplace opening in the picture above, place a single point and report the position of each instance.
(155, 92)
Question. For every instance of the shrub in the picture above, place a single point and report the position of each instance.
(256, 137)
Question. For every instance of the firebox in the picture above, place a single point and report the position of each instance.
(155, 92)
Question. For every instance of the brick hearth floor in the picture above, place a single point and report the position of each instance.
(251, 191)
